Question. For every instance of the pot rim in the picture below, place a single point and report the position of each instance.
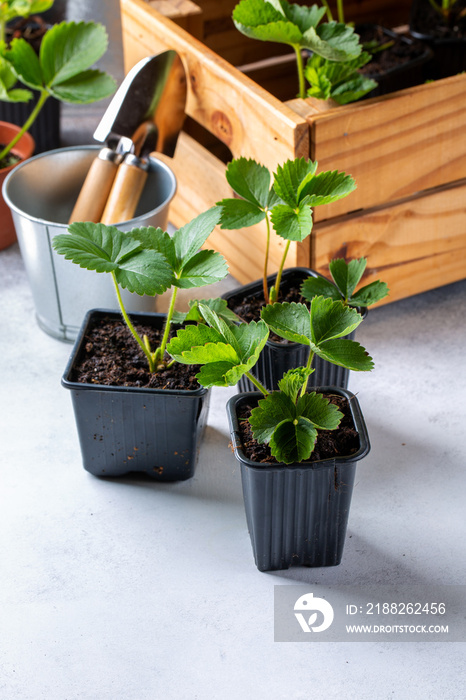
(79, 386)
(330, 462)
(131, 223)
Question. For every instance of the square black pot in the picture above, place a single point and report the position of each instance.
(449, 48)
(278, 357)
(133, 429)
(297, 514)
(403, 75)
(46, 129)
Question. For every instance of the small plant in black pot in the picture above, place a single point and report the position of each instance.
(285, 201)
(136, 409)
(346, 277)
(297, 480)
(442, 25)
(335, 47)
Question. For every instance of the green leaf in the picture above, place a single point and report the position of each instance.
(293, 441)
(90, 86)
(331, 319)
(269, 413)
(319, 286)
(206, 267)
(238, 213)
(107, 249)
(292, 224)
(151, 238)
(332, 40)
(215, 374)
(375, 291)
(227, 351)
(249, 180)
(327, 187)
(220, 306)
(251, 339)
(345, 353)
(304, 17)
(70, 48)
(291, 178)
(224, 328)
(321, 87)
(190, 338)
(254, 13)
(292, 382)
(25, 63)
(289, 320)
(8, 80)
(191, 237)
(353, 90)
(338, 80)
(10, 9)
(347, 275)
(281, 32)
(319, 411)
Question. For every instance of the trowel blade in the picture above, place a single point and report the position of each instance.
(153, 92)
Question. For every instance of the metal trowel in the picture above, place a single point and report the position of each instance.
(145, 115)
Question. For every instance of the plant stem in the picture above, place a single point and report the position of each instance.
(135, 334)
(171, 309)
(328, 10)
(340, 11)
(266, 263)
(280, 269)
(300, 66)
(308, 367)
(256, 383)
(26, 126)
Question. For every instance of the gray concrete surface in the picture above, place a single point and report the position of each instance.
(133, 590)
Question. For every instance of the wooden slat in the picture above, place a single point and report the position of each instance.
(394, 146)
(242, 115)
(184, 13)
(200, 185)
(415, 245)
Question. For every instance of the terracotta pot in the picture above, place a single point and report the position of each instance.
(24, 149)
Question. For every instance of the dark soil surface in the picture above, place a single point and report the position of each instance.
(341, 442)
(398, 52)
(32, 29)
(426, 20)
(249, 307)
(10, 159)
(112, 357)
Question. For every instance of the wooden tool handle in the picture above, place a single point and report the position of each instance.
(96, 188)
(126, 191)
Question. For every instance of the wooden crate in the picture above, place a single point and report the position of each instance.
(406, 151)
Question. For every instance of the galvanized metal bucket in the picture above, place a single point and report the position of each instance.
(41, 193)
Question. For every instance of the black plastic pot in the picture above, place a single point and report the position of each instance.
(278, 357)
(46, 129)
(132, 429)
(297, 514)
(404, 75)
(448, 46)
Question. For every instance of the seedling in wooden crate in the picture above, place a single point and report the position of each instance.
(445, 8)
(147, 261)
(286, 205)
(287, 419)
(299, 27)
(346, 277)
